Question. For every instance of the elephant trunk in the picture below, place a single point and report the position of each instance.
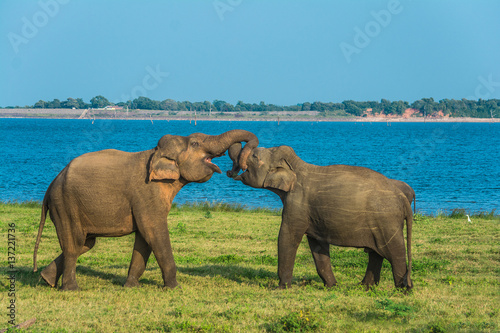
(234, 153)
(218, 144)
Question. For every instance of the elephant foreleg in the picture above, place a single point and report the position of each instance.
(321, 254)
(163, 253)
(372, 275)
(140, 257)
(159, 240)
(54, 270)
(288, 243)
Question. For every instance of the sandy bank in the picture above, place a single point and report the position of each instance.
(309, 116)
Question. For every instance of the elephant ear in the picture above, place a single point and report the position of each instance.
(163, 164)
(282, 177)
(163, 169)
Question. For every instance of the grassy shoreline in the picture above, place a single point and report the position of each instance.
(275, 116)
(226, 258)
(232, 207)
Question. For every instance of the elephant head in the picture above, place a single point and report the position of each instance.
(190, 157)
(269, 168)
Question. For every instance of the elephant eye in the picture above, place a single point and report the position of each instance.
(194, 144)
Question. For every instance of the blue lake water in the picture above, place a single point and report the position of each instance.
(450, 165)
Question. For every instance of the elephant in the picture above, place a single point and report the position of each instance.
(342, 205)
(111, 193)
(407, 191)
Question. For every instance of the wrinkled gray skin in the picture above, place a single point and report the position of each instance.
(112, 193)
(338, 204)
(407, 191)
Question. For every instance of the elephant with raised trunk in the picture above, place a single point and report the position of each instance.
(337, 204)
(112, 193)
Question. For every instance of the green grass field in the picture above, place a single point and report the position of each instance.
(227, 261)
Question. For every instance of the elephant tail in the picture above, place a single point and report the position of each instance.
(409, 227)
(45, 208)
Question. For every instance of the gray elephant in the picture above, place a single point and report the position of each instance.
(337, 204)
(407, 191)
(112, 193)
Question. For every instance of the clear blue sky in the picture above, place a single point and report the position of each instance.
(280, 52)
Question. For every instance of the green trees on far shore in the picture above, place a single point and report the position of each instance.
(423, 107)
(70, 103)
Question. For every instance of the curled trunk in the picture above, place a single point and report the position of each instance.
(234, 153)
(218, 144)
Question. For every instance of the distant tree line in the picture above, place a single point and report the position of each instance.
(425, 106)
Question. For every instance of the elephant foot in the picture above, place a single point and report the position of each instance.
(406, 285)
(330, 285)
(370, 279)
(368, 283)
(284, 286)
(132, 283)
(367, 286)
(329, 281)
(405, 289)
(172, 285)
(70, 287)
(49, 275)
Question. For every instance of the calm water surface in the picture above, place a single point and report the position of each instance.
(450, 165)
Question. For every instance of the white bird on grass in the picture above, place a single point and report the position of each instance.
(468, 219)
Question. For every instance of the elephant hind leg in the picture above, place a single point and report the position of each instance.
(372, 275)
(69, 271)
(140, 257)
(54, 270)
(400, 274)
(72, 249)
(397, 258)
(321, 254)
